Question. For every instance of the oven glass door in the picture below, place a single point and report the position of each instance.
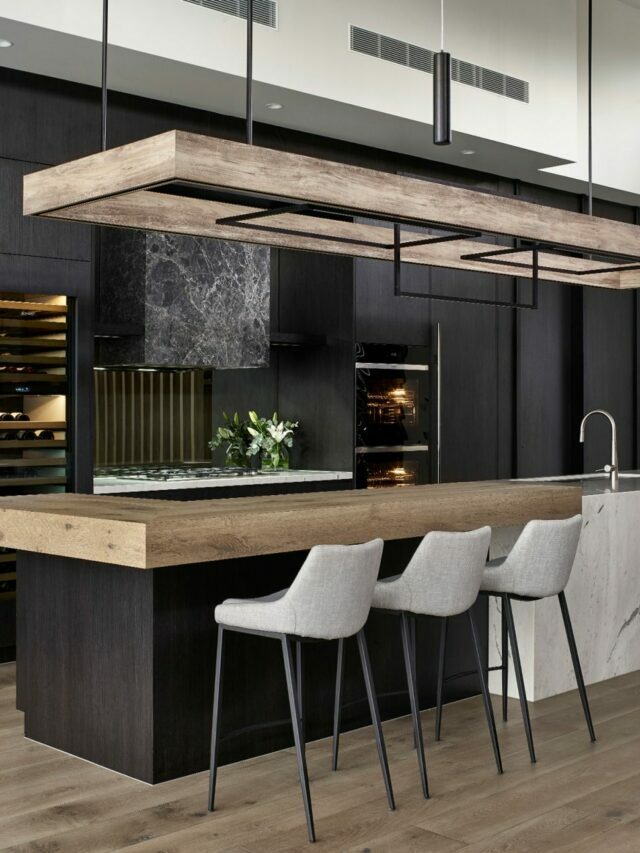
(392, 406)
(394, 467)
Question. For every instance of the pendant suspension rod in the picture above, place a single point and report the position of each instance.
(442, 90)
(249, 110)
(105, 39)
(590, 109)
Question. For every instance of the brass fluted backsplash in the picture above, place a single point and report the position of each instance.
(151, 416)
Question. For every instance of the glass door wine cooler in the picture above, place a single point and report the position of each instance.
(33, 417)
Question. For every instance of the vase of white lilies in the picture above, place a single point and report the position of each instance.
(272, 438)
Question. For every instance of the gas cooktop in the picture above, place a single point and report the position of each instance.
(178, 472)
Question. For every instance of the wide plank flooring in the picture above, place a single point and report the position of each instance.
(579, 798)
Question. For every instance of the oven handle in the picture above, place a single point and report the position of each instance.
(394, 448)
(379, 365)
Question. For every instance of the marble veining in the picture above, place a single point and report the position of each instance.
(116, 485)
(201, 302)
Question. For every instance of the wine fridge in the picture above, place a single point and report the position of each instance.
(33, 417)
(397, 432)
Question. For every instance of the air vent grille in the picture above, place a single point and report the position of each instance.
(420, 58)
(264, 11)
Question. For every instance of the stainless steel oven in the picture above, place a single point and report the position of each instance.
(396, 415)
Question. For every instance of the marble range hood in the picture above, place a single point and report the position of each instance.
(165, 300)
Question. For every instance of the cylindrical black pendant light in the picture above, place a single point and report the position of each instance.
(442, 90)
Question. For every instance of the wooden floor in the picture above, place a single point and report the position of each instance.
(580, 797)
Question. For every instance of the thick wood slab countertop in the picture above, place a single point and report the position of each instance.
(147, 534)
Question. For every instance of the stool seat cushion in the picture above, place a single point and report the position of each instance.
(497, 577)
(392, 594)
(329, 598)
(268, 613)
(540, 562)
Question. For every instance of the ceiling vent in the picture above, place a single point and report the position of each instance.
(421, 59)
(265, 12)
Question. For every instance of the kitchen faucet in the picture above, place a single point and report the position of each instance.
(611, 469)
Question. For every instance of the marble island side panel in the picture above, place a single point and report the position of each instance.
(603, 595)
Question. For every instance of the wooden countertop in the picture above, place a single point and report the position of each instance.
(147, 534)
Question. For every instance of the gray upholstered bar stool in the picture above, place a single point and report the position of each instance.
(329, 599)
(538, 566)
(442, 579)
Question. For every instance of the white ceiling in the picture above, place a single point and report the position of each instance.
(179, 52)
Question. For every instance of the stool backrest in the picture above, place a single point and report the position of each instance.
(331, 594)
(445, 572)
(542, 558)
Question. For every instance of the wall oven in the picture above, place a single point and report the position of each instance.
(396, 429)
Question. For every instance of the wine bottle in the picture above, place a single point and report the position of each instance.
(5, 435)
(45, 434)
(6, 416)
(26, 435)
(19, 416)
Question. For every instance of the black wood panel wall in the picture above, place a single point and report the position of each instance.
(515, 383)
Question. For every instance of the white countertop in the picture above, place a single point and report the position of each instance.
(120, 485)
(593, 484)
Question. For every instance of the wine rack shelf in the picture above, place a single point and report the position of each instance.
(33, 462)
(55, 425)
(23, 308)
(33, 336)
(28, 344)
(38, 360)
(21, 482)
(25, 327)
(31, 443)
(30, 378)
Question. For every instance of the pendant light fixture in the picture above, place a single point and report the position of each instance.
(442, 90)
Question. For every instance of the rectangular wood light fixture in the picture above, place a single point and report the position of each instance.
(204, 186)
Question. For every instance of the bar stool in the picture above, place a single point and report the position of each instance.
(442, 579)
(329, 599)
(538, 566)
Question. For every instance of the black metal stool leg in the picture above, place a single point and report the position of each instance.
(215, 720)
(505, 664)
(297, 734)
(488, 708)
(576, 664)
(412, 625)
(300, 689)
(375, 715)
(337, 707)
(442, 655)
(409, 663)
(517, 666)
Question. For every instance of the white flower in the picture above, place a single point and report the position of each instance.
(279, 433)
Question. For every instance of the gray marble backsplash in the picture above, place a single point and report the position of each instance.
(201, 302)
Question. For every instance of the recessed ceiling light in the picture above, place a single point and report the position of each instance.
(467, 151)
(5, 43)
(274, 106)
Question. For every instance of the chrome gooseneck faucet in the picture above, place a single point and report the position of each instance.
(611, 469)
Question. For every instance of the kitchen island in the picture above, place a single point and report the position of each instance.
(116, 647)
